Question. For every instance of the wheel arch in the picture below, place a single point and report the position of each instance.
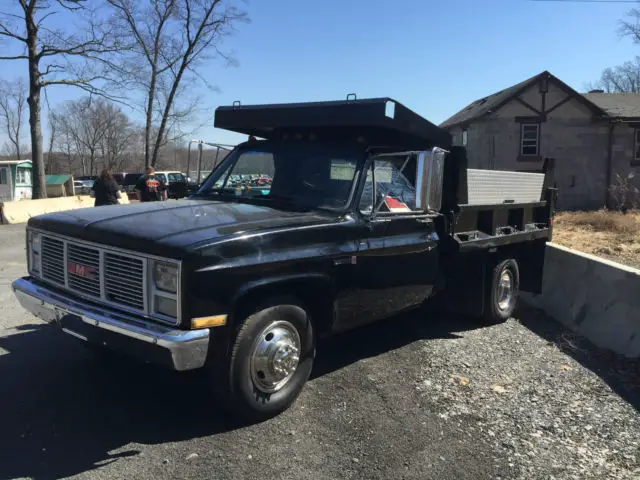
(314, 290)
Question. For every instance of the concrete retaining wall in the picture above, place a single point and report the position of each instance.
(595, 297)
(20, 211)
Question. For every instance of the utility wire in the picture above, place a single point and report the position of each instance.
(586, 1)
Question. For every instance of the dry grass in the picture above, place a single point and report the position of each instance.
(610, 234)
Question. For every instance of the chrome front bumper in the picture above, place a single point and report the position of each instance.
(180, 349)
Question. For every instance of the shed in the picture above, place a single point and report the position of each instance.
(60, 186)
(15, 180)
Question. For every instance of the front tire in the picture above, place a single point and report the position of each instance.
(502, 291)
(271, 360)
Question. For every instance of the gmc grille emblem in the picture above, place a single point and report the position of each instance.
(82, 270)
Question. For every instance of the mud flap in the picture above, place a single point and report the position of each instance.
(531, 263)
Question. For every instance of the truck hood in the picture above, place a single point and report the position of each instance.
(168, 228)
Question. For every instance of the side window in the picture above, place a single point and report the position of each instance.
(3, 176)
(176, 177)
(395, 190)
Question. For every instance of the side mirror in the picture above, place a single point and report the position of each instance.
(429, 179)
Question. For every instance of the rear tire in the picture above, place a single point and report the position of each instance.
(271, 360)
(502, 291)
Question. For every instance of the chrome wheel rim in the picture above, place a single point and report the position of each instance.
(275, 356)
(505, 290)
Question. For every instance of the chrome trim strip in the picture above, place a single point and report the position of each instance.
(188, 347)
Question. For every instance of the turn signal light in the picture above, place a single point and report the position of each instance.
(206, 322)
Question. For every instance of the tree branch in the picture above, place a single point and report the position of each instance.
(5, 32)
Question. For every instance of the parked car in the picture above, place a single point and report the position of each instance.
(82, 187)
(371, 211)
(176, 182)
(86, 177)
(119, 178)
(129, 184)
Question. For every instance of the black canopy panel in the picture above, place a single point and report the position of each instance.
(377, 121)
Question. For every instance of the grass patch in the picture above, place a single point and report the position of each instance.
(611, 234)
(602, 221)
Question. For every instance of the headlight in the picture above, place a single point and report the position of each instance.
(166, 306)
(34, 252)
(165, 277)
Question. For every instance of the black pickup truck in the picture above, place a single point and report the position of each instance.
(354, 210)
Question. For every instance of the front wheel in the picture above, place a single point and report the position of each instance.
(502, 291)
(270, 362)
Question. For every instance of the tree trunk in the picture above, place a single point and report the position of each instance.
(167, 109)
(39, 185)
(149, 120)
(37, 159)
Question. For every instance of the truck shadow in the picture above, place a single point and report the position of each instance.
(620, 373)
(64, 410)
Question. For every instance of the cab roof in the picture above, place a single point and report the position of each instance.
(373, 121)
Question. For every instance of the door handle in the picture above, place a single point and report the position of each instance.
(345, 260)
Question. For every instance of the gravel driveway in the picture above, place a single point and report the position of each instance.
(409, 397)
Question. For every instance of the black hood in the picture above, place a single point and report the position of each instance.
(168, 228)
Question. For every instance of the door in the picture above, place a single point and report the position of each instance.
(397, 258)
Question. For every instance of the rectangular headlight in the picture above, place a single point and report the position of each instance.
(165, 277)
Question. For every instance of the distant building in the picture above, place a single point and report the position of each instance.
(59, 186)
(15, 180)
(594, 137)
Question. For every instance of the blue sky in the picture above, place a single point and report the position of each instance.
(433, 56)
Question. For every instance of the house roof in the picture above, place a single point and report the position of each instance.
(58, 179)
(490, 104)
(482, 106)
(624, 105)
(14, 162)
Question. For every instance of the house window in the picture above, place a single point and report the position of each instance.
(23, 176)
(530, 139)
(3, 176)
(636, 147)
(464, 138)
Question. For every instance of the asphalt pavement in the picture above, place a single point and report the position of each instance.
(409, 397)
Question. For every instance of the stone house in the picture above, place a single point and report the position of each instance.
(593, 137)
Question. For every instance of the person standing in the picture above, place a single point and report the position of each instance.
(105, 189)
(150, 188)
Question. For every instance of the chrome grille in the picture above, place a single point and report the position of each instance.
(90, 271)
(83, 269)
(123, 279)
(52, 258)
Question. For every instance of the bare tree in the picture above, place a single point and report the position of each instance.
(95, 133)
(54, 57)
(117, 138)
(84, 122)
(172, 38)
(630, 27)
(13, 97)
(623, 78)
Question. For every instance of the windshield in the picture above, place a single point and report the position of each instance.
(307, 175)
